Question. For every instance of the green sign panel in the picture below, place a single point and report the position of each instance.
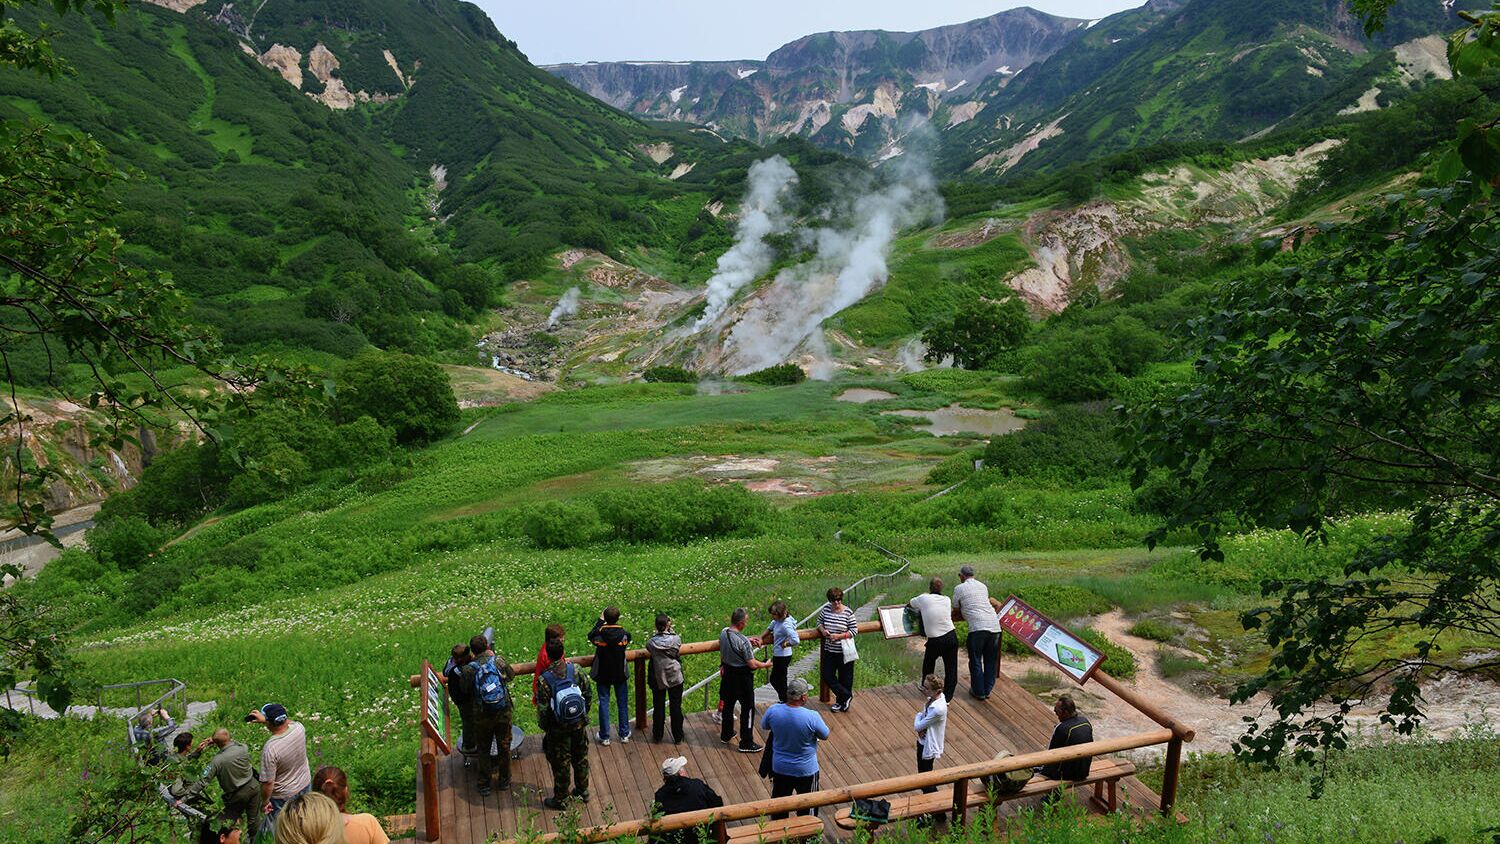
(435, 706)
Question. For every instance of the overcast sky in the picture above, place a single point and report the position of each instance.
(552, 31)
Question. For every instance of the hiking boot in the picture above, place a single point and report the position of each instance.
(484, 789)
(504, 785)
(581, 795)
(554, 804)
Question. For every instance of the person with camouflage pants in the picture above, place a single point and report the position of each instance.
(565, 745)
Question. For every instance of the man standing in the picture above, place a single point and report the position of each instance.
(563, 698)
(681, 793)
(737, 658)
(666, 680)
(484, 684)
(972, 599)
(795, 732)
(283, 760)
(231, 768)
(1071, 729)
(942, 637)
(610, 642)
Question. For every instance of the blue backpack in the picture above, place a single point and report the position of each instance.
(568, 706)
(490, 687)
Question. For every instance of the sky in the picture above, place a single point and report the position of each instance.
(555, 31)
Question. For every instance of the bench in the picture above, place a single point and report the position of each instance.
(1104, 776)
(795, 828)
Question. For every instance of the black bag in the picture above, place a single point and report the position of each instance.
(765, 757)
(871, 811)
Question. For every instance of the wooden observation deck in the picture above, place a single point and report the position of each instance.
(871, 742)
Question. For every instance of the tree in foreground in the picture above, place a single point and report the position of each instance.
(1362, 373)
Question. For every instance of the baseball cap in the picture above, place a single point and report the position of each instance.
(797, 688)
(274, 713)
(674, 765)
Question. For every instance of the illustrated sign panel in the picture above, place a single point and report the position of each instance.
(435, 707)
(899, 622)
(1075, 657)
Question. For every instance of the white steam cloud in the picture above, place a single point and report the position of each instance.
(760, 216)
(850, 262)
(566, 306)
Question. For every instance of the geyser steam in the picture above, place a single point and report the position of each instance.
(566, 306)
(760, 215)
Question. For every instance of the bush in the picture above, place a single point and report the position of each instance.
(979, 333)
(1133, 345)
(1071, 444)
(1072, 366)
(560, 524)
(779, 375)
(409, 395)
(126, 542)
(1118, 662)
(680, 511)
(669, 375)
(959, 467)
(1173, 664)
(1154, 629)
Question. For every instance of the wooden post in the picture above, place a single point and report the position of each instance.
(430, 790)
(960, 801)
(1169, 776)
(640, 695)
(721, 832)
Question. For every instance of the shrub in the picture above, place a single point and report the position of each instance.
(560, 524)
(779, 375)
(1154, 629)
(1070, 444)
(126, 542)
(958, 467)
(1118, 662)
(979, 333)
(1173, 664)
(679, 512)
(1133, 345)
(1071, 366)
(669, 375)
(409, 395)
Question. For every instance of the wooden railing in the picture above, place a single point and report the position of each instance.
(957, 777)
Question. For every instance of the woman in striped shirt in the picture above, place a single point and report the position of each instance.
(836, 623)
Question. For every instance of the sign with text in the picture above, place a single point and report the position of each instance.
(900, 621)
(435, 707)
(1075, 657)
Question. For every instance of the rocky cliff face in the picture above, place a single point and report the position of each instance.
(846, 90)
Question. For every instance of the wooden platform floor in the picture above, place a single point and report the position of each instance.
(872, 741)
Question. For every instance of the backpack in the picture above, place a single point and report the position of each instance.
(568, 706)
(490, 688)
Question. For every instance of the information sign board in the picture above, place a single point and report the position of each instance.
(1073, 656)
(434, 705)
(898, 621)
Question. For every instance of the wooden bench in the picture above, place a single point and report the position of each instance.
(1104, 776)
(795, 828)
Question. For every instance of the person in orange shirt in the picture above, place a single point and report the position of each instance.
(358, 829)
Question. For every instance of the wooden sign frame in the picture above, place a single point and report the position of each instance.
(1049, 623)
(432, 708)
(904, 631)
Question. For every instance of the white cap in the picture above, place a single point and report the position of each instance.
(674, 765)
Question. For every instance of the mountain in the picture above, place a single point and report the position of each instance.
(851, 91)
(1001, 89)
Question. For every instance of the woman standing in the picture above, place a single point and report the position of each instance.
(666, 679)
(782, 634)
(836, 623)
(931, 726)
(362, 828)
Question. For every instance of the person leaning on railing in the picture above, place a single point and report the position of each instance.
(782, 634)
(942, 638)
(972, 601)
(666, 680)
(836, 623)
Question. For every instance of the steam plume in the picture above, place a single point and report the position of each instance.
(760, 215)
(566, 306)
(850, 262)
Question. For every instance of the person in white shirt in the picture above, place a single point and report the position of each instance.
(942, 637)
(931, 726)
(972, 598)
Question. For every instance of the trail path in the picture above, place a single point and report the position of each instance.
(18, 700)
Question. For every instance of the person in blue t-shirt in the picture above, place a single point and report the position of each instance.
(782, 634)
(794, 732)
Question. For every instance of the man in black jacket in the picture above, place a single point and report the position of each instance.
(611, 643)
(1072, 729)
(681, 793)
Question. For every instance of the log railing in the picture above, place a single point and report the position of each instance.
(957, 777)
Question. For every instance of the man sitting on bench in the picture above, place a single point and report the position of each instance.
(1072, 729)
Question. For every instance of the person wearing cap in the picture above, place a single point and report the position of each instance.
(795, 732)
(284, 773)
(942, 638)
(681, 793)
(971, 598)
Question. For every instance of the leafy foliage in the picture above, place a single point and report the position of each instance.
(407, 394)
(668, 375)
(979, 333)
(1071, 444)
(780, 375)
